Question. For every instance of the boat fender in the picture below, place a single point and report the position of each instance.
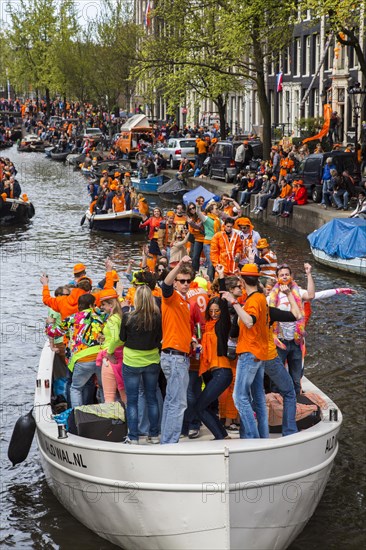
(83, 220)
(22, 438)
(1, 202)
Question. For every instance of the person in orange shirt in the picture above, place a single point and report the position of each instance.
(252, 350)
(118, 201)
(180, 218)
(105, 181)
(142, 205)
(286, 190)
(176, 347)
(226, 248)
(214, 359)
(202, 147)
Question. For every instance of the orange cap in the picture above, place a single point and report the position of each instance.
(127, 175)
(117, 174)
(78, 268)
(107, 294)
(250, 269)
(262, 243)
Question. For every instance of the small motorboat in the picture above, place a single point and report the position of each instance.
(48, 151)
(148, 186)
(15, 211)
(5, 144)
(60, 156)
(341, 243)
(75, 159)
(173, 190)
(198, 493)
(115, 222)
(32, 144)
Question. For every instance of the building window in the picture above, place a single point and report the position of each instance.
(351, 57)
(297, 57)
(286, 57)
(316, 102)
(307, 57)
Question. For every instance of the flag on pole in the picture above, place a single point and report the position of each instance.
(147, 14)
(279, 81)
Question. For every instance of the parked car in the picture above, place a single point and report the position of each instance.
(95, 133)
(178, 149)
(222, 163)
(310, 170)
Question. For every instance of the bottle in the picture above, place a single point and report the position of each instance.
(198, 331)
(198, 352)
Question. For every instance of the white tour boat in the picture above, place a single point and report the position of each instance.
(230, 494)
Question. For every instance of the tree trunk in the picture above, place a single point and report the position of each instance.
(221, 106)
(262, 96)
(48, 102)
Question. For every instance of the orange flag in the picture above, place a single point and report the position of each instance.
(324, 131)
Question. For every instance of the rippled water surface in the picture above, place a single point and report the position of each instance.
(53, 241)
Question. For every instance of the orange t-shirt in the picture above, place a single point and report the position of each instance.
(119, 203)
(255, 340)
(176, 323)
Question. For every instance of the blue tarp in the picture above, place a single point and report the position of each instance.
(344, 238)
(199, 192)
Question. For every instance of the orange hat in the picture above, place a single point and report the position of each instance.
(299, 182)
(250, 269)
(4, 196)
(274, 178)
(115, 276)
(104, 171)
(242, 221)
(78, 268)
(214, 140)
(113, 187)
(127, 175)
(107, 294)
(246, 142)
(25, 197)
(262, 243)
(117, 174)
(170, 213)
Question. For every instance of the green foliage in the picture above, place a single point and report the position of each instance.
(310, 126)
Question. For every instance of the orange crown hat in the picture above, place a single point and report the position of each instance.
(108, 294)
(79, 267)
(251, 270)
(262, 243)
(115, 278)
(243, 221)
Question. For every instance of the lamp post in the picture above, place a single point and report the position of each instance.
(357, 95)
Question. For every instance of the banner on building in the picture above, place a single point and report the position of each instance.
(279, 81)
(327, 112)
(147, 18)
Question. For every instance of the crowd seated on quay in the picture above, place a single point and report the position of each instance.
(227, 321)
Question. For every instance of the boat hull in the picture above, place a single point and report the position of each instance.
(355, 265)
(230, 494)
(15, 211)
(148, 186)
(124, 222)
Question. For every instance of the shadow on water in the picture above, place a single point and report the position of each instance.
(52, 242)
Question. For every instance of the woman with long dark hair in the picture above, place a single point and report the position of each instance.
(141, 333)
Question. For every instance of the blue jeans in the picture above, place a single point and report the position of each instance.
(220, 380)
(196, 255)
(191, 420)
(132, 377)
(279, 375)
(83, 371)
(144, 423)
(293, 355)
(248, 395)
(210, 267)
(340, 195)
(175, 369)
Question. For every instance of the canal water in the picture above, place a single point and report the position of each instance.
(52, 242)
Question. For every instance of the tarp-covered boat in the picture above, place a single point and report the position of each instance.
(173, 190)
(199, 191)
(341, 243)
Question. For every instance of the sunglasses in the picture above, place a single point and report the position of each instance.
(182, 281)
(161, 270)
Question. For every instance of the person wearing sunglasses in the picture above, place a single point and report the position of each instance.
(176, 347)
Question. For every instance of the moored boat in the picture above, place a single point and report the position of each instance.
(227, 494)
(173, 190)
(60, 156)
(148, 186)
(15, 211)
(31, 143)
(341, 244)
(116, 222)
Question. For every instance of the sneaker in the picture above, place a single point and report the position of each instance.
(128, 441)
(285, 215)
(254, 209)
(233, 428)
(153, 440)
(325, 206)
(193, 434)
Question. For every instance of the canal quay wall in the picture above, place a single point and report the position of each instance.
(304, 219)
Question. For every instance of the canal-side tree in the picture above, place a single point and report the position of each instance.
(346, 20)
(222, 37)
(34, 37)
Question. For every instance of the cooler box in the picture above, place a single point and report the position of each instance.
(105, 422)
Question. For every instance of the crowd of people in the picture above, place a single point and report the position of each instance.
(208, 313)
(9, 185)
